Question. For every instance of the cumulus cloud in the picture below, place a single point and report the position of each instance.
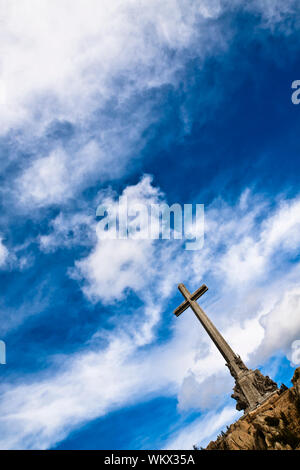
(116, 265)
(282, 323)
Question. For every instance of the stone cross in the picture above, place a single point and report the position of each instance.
(251, 387)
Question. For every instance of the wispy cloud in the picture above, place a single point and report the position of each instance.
(201, 430)
(96, 70)
(80, 93)
(43, 410)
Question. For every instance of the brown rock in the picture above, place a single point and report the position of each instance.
(274, 425)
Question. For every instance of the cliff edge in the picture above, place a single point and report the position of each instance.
(274, 425)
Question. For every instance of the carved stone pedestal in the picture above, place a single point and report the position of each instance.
(251, 386)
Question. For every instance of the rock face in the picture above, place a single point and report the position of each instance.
(274, 425)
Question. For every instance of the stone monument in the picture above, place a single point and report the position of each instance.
(251, 387)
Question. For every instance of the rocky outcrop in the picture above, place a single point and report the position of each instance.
(274, 425)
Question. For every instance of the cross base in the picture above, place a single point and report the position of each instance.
(251, 389)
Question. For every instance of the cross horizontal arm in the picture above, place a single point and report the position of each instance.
(182, 307)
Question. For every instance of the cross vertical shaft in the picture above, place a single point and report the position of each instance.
(251, 387)
(210, 328)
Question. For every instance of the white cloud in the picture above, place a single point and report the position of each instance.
(45, 409)
(68, 230)
(86, 62)
(3, 253)
(87, 67)
(116, 265)
(70, 52)
(207, 394)
(87, 386)
(274, 11)
(65, 60)
(250, 251)
(282, 323)
(202, 430)
(57, 177)
(46, 180)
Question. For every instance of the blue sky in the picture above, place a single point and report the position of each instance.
(177, 102)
